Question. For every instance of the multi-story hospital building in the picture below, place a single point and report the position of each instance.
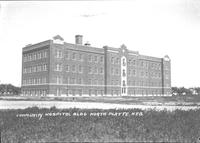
(57, 68)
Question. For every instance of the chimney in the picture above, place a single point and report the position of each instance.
(78, 39)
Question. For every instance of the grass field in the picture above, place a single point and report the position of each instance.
(150, 126)
(153, 100)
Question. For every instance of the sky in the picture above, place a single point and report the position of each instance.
(152, 27)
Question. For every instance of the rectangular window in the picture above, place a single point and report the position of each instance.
(90, 58)
(79, 81)
(117, 61)
(90, 81)
(101, 59)
(80, 57)
(129, 72)
(67, 55)
(58, 80)
(45, 67)
(24, 71)
(134, 72)
(39, 55)
(101, 70)
(80, 69)
(73, 68)
(112, 60)
(112, 71)
(134, 62)
(90, 70)
(95, 59)
(72, 80)
(39, 68)
(58, 67)
(45, 54)
(25, 58)
(34, 56)
(117, 71)
(95, 70)
(67, 68)
(73, 56)
(58, 54)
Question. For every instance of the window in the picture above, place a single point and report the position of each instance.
(124, 83)
(67, 54)
(112, 60)
(38, 68)
(95, 82)
(45, 54)
(117, 61)
(124, 63)
(39, 55)
(25, 58)
(34, 69)
(80, 70)
(147, 74)
(95, 59)
(72, 80)
(134, 62)
(45, 67)
(73, 68)
(24, 70)
(73, 56)
(101, 59)
(67, 68)
(34, 56)
(95, 70)
(90, 58)
(44, 80)
(58, 54)
(129, 72)
(117, 71)
(101, 70)
(80, 57)
(159, 75)
(89, 81)
(112, 71)
(124, 74)
(79, 81)
(129, 62)
(142, 74)
(90, 70)
(58, 67)
(100, 82)
(142, 63)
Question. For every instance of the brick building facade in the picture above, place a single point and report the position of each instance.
(57, 68)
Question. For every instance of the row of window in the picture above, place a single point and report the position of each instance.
(35, 81)
(78, 80)
(36, 68)
(144, 83)
(145, 92)
(115, 71)
(36, 92)
(78, 56)
(43, 92)
(35, 55)
(115, 60)
(79, 69)
(95, 70)
(144, 64)
(95, 58)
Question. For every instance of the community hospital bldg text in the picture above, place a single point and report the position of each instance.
(57, 68)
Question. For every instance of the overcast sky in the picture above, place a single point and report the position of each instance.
(152, 27)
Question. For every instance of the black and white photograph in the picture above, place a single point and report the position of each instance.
(100, 71)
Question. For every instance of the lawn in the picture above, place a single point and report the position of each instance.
(55, 125)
